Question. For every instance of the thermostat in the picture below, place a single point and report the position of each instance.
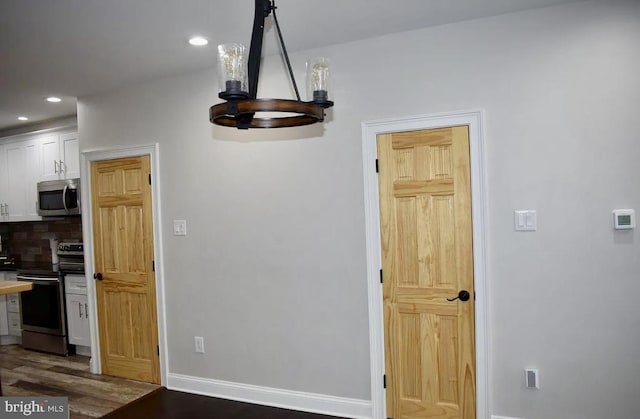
(624, 219)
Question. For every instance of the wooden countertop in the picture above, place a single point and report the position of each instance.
(9, 287)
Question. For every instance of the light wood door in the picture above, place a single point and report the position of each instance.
(426, 233)
(123, 243)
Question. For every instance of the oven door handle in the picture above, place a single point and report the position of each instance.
(37, 279)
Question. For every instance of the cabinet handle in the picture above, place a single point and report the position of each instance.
(86, 311)
(1, 209)
(80, 310)
(55, 165)
(62, 166)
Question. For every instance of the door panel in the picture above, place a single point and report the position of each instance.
(124, 255)
(425, 219)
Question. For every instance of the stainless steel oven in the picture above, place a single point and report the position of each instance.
(42, 310)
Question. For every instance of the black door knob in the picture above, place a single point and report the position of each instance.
(462, 296)
(97, 276)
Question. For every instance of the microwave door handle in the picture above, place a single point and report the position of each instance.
(64, 197)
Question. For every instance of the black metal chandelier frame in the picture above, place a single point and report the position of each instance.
(240, 108)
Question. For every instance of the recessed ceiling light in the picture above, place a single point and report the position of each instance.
(23, 118)
(53, 99)
(198, 41)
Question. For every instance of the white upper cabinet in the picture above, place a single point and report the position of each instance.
(13, 206)
(18, 196)
(70, 155)
(50, 150)
(60, 157)
(28, 160)
(30, 171)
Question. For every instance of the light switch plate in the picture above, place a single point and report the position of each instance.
(525, 220)
(199, 344)
(179, 227)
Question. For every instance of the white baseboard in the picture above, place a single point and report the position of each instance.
(502, 417)
(286, 399)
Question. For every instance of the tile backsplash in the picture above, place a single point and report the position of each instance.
(30, 240)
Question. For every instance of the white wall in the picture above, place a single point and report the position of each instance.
(272, 273)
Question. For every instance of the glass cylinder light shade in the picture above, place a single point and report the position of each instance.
(318, 80)
(232, 70)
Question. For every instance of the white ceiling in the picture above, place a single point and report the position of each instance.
(71, 48)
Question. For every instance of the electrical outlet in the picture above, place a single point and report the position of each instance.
(199, 343)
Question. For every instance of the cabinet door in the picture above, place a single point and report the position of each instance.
(70, 156)
(15, 327)
(20, 168)
(3, 183)
(75, 284)
(13, 303)
(50, 152)
(78, 319)
(15, 201)
(4, 321)
(32, 169)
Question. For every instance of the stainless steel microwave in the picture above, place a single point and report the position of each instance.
(59, 197)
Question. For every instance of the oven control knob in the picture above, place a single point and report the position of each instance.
(97, 276)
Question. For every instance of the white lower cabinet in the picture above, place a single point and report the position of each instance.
(13, 314)
(77, 310)
(4, 319)
(10, 325)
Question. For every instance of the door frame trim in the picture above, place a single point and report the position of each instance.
(370, 130)
(86, 158)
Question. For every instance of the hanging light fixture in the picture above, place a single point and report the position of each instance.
(238, 76)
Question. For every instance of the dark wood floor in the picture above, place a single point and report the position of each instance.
(27, 373)
(168, 404)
